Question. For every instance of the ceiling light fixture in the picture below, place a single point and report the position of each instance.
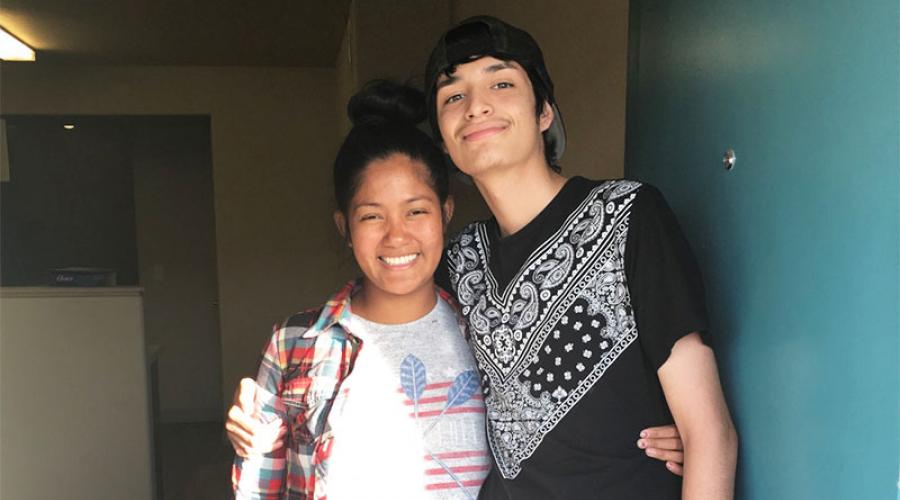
(69, 126)
(13, 49)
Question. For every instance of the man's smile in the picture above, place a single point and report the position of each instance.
(483, 131)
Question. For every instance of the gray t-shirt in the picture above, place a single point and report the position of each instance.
(409, 419)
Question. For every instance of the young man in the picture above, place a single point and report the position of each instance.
(584, 302)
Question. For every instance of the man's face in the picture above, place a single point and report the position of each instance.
(486, 114)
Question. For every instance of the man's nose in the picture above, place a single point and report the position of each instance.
(478, 106)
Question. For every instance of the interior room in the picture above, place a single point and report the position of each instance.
(178, 154)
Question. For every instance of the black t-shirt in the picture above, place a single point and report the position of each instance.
(570, 318)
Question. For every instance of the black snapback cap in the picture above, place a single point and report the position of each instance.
(481, 36)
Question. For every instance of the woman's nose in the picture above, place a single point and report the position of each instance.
(396, 231)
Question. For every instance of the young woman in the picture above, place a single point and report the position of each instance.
(378, 387)
(376, 392)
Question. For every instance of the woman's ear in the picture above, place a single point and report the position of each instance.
(447, 210)
(341, 222)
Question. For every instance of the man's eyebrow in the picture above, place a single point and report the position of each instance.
(493, 68)
(447, 80)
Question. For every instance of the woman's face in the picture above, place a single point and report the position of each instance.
(396, 225)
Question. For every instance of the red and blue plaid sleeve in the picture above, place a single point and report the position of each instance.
(303, 350)
(262, 477)
(258, 477)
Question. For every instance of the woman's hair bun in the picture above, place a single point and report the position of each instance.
(384, 101)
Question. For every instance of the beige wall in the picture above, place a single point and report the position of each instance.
(69, 429)
(345, 71)
(387, 39)
(585, 45)
(177, 262)
(274, 133)
(394, 37)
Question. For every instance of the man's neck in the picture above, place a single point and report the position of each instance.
(515, 196)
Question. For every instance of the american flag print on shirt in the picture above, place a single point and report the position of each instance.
(430, 404)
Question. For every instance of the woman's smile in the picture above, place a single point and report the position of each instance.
(399, 261)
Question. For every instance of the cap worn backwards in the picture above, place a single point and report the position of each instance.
(481, 36)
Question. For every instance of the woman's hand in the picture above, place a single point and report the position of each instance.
(664, 443)
(249, 435)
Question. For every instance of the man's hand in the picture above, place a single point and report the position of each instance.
(664, 443)
(249, 435)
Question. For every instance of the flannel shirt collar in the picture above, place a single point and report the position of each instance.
(337, 309)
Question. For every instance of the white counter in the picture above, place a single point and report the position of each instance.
(74, 415)
(70, 291)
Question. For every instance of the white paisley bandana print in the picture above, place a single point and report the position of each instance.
(560, 323)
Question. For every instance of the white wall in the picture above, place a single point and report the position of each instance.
(74, 416)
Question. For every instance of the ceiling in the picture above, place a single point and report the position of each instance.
(180, 32)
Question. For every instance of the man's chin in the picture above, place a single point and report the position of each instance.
(475, 167)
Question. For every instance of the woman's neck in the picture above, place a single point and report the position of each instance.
(379, 306)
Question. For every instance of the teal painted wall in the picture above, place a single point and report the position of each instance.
(800, 243)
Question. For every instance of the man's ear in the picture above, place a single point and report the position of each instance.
(447, 210)
(341, 222)
(546, 117)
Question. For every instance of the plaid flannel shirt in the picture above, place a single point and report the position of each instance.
(301, 371)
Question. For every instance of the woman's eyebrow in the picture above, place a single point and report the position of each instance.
(376, 204)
